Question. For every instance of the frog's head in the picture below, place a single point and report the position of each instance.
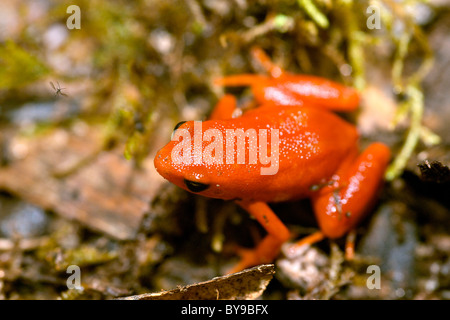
(193, 161)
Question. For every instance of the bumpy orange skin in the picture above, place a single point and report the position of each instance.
(318, 156)
(309, 154)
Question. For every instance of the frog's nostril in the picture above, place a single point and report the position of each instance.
(195, 186)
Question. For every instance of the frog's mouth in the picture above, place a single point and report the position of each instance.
(177, 174)
(163, 166)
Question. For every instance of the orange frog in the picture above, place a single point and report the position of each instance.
(313, 154)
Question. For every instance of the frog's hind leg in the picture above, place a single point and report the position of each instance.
(253, 79)
(308, 240)
(341, 206)
(350, 245)
(241, 80)
(263, 59)
(319, 236)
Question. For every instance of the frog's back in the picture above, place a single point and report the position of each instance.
(312, 145)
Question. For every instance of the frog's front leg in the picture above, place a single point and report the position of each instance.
(224, 109)
(268, 249)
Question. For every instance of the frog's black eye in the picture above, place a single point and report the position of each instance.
(179, 124)
(195, 186)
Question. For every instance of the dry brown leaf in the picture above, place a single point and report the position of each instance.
(106, 194)
(248, 284)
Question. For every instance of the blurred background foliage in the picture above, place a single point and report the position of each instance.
(134, 63)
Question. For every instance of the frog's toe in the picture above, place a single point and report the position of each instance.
(248, 258)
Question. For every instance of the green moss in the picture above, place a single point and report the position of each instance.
(19, 67)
